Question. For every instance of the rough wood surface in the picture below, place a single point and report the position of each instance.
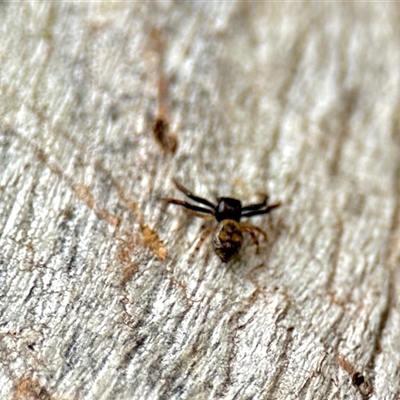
(102, 294)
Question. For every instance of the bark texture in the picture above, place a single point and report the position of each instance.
(102, 293)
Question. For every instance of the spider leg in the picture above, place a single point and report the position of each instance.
(189, 194)
(259, 212)
(207, 217)
(250, 229)
(255, 241)
(252, 207)
(203, 237)
(189, 206)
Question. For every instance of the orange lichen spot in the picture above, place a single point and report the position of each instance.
(152, 240)
(83, 193)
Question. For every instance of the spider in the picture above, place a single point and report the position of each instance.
(228, 234)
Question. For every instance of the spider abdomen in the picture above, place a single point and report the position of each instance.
(228, 239)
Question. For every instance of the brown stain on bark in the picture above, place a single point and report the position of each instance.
(127, 243)
(28, 388)
(360, 381)
(150, 238)
(128, 273)
(166, 139)
(83, 193)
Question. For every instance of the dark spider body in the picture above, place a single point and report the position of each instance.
(228, 235)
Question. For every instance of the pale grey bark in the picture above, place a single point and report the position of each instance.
(103, 295)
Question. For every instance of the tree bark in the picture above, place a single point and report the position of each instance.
(103, 292)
